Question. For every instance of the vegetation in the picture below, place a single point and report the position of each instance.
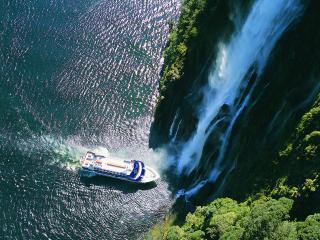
(191, 46)
(262, 219)
(279, 191)
(182, 37)
(261, 216)
(298, 165)
(159, 229)
(179, 39)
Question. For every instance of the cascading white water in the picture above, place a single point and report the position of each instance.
(250, 46)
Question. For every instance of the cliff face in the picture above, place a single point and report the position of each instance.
(288, 88)
(191, 47)
(267, 152)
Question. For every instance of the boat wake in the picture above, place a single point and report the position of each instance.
(54, 150)
(66, 153)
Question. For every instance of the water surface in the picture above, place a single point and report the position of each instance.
(77, 75)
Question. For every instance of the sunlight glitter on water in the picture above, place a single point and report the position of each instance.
(78, 75)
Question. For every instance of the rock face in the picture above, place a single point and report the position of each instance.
(285, 91)
(202, 25)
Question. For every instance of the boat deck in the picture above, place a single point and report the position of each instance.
(131, 170)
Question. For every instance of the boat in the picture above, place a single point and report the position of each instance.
(128, 170)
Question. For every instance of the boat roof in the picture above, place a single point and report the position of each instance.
(133, 169)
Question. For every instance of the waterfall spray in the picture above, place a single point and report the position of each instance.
(249, 48)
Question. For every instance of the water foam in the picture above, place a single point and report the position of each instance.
(151, 157)
(59, 151)
(66, 152)
(249, 47)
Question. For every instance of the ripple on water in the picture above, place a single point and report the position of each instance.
(75, 75)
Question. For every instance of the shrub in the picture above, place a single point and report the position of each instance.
(175, 233)
(310, 228)
(225, 219)
(265, 218)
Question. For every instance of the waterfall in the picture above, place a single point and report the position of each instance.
(228, 82)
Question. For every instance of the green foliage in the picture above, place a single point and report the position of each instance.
(175, 233)
(310, 121)
(298, 167)
(296, 176)
(265, 218)
(225, 219)
(283, 189)
(234, 233)
(293, 174)
(220, 224)
(286, 151)
(286, 230)
(157, 232)
(311, 185)
(179, 39)
(310, 228)
(225, 214)
(197, 235)
(194, 221)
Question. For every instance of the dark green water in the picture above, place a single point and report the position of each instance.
(76, 75)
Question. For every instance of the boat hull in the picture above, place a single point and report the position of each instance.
(128, 170)
(93, 173)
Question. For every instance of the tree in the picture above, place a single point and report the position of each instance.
(175, 233)
(310, 228)
(286, 230)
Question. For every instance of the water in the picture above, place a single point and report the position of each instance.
(229, 85)
(78, 75)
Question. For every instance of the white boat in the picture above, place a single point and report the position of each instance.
(129, 170)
